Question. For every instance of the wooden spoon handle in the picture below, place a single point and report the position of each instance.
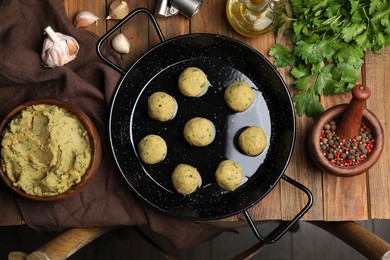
(349, 125)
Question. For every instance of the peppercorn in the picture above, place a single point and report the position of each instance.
(342, 152)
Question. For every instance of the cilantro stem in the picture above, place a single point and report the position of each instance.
(332, 20)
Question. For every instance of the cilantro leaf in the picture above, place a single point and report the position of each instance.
(308, 103)
(303, 83)
(324, 77)
(363, 41)
(351, 54)
(300, 71)
(283, 55)
(309, 52)
(351, 32)
(346, 75)
(376, 5)
(303, 77)
(354, 5)
(329, 39)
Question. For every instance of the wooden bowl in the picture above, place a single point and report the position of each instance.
(322, 162)
(94, 142)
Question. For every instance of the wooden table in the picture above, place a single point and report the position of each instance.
(366, 196)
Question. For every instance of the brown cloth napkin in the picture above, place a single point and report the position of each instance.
(89, 84)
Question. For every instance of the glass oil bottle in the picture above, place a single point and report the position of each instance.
(252, 18)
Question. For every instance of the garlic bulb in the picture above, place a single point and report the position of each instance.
(118, 10)
(84, 19)
(120, 43)
(58, 49)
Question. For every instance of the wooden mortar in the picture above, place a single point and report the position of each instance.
(351, 116)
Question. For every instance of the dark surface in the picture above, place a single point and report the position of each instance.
(308, 242)
(224, 60)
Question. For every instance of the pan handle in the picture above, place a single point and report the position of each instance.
(284, 227)
(118, 25)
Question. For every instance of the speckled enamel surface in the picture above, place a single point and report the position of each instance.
(224, 60)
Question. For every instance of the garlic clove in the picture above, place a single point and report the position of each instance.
(58, 49)
(53, 58)
(118, 10)
(121, 43)
(72, 47)
(84, 19)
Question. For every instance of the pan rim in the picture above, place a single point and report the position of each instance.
(236, 42)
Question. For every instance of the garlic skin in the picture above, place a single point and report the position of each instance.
(84, 19)
(58, 49)
(118, 10)
(121, 43)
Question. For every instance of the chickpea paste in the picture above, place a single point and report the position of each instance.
(45, 150)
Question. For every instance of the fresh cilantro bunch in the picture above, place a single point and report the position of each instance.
(329, 39)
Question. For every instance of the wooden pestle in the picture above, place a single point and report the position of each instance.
(349, 125)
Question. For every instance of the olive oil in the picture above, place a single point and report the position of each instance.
(251, 18)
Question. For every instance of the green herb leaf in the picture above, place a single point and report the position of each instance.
(329, 39)
(323, 80)
(283, 55)
(308, 103)
(351, 32)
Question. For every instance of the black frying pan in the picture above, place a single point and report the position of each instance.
(224, 60)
